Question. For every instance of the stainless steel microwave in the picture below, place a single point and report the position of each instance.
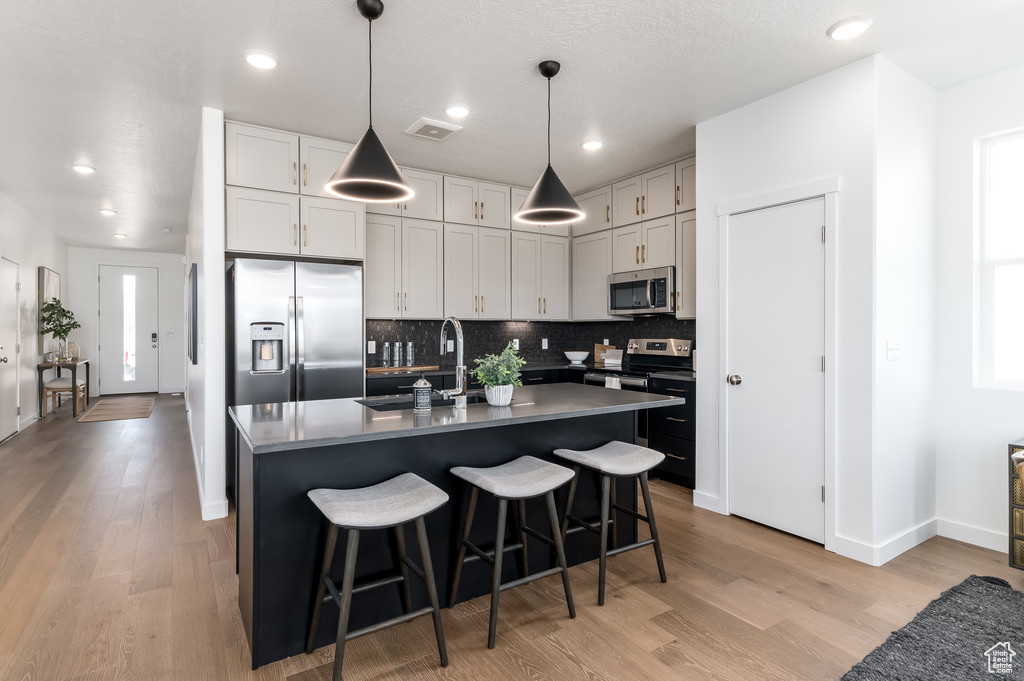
(642, 292)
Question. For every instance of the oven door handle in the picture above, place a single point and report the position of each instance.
(650, 301)
(633, 382)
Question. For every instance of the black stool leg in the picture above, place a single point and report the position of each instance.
(613, 525)
(398, 534)
(348, 578)
(569, 500)
(461, 557)
(654, 528)
(428, 577)
(560, 552)
(499, 549)
(321, 590)
(524, 563)
(605, 500)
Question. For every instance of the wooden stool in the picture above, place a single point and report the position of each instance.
(388, 505)
(525, 478)
(614, 460)
(61, 387)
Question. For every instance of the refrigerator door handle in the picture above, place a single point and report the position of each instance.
(300, 368)
(291, 346)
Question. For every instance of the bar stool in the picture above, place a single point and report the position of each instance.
(56, 388)
(389, 504)
(614, 460)
(524, 478)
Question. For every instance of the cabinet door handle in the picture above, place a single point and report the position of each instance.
(407, 206)
(476, 205)
(545, 306)
(481, 304)
(295, 232)
(476, 303)
(400, 387)
(406, 301)
(677, 195)
(637, 255)
(481, 210)
(398, 301)
(677, 390)
(676, 456)
(643, 253)
(643, 203)
(673, 418)
(295, 172)
(305, 235)
(305, 175)
(638, 205)
(538, 305)
(398, 206)
(539, 378)
(607, 213)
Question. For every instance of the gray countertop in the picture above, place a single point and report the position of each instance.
(298, 425)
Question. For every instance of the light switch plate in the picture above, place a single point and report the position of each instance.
(515, 343)
(450, 346)
(371, 347)
(605, 342)
(543, 343)
(892, 351)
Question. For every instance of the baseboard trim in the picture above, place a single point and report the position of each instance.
(214, 508)
(709, 502)
(880, 554)
(969, 534)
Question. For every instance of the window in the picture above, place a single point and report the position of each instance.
(999, 263)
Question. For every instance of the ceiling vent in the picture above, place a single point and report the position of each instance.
(428, 128)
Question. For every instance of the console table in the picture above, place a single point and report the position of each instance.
(73, 366)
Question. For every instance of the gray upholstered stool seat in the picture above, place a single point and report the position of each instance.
(615, 458)
(523, 478)
(393, 502)
(387, 505)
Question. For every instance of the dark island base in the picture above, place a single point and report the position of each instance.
(280, 547)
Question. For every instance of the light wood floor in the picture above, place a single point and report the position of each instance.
(108, 573)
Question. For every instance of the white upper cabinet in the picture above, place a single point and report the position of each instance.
(495, 277)
(320, 159)
(332, 228)
(540, 277)
(470, 202)
(404, 268)
(519, 195)
(554, 278)
(686, 266)
(597, 208)
(526, 297)
(477, 272)
(626, 202)
(591, 265)
(657, 193)
(259, 221)
(686, 185)
(427, 202)
(644, 246)
(382, 270)
(261, 158)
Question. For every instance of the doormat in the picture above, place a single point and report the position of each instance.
(972, 631)
(115, 409)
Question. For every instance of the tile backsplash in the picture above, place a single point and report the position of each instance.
(483, 338)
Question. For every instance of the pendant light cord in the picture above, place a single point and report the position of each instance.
(549, 121)
(369, 38)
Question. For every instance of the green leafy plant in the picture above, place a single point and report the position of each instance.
(57, 320)
(503, 369)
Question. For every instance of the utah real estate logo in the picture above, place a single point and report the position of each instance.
(1000, 658)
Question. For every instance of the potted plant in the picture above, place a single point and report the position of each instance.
(55, 319)
(499, 374)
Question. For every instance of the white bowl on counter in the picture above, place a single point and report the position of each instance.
(576, 357)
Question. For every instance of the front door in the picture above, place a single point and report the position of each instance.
(8, 348)
(775, 344)
(129, 333)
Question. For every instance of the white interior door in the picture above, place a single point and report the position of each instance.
(8, 348)
(775, 345)
(129, 330)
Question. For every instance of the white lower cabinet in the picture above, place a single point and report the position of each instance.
(404, 268)
(540, 277)
(332, 228)
(686, 266)
(477, 272)
(259, 221)
(591, 265)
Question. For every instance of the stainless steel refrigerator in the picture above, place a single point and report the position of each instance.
(295, 331)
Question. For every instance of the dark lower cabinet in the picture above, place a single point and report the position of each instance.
(402, 385)
(679, 463)
(672, 431)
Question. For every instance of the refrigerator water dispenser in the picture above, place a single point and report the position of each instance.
(267, 347)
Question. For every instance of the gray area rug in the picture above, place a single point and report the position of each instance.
(973, 631)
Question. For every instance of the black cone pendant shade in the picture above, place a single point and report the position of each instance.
(369, 174)
(549, 202)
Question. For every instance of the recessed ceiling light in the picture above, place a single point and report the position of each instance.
(849, 28)
(120, 235)
(457, 111)
(166, 230)
(83, 169)
(108, 211)
(260, 59)
(592, 145)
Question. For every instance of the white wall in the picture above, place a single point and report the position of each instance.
(818, 129)
(205, 246)
(83, 296)
(903, 468)
(26, 242)
(973, 424)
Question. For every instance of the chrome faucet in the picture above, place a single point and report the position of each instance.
(459, 392)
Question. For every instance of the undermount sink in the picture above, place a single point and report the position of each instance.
(399, 402)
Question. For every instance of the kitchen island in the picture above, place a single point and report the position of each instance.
(286, 449)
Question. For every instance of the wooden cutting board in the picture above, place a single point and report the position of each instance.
(401, 370)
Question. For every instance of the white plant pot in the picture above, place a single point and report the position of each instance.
(499, 395)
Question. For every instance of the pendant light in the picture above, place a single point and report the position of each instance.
(549, 202)
(369, 174)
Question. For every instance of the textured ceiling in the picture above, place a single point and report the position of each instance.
(119, 84)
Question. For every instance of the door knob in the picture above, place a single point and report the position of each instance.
(3, 360)
(735, 379)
